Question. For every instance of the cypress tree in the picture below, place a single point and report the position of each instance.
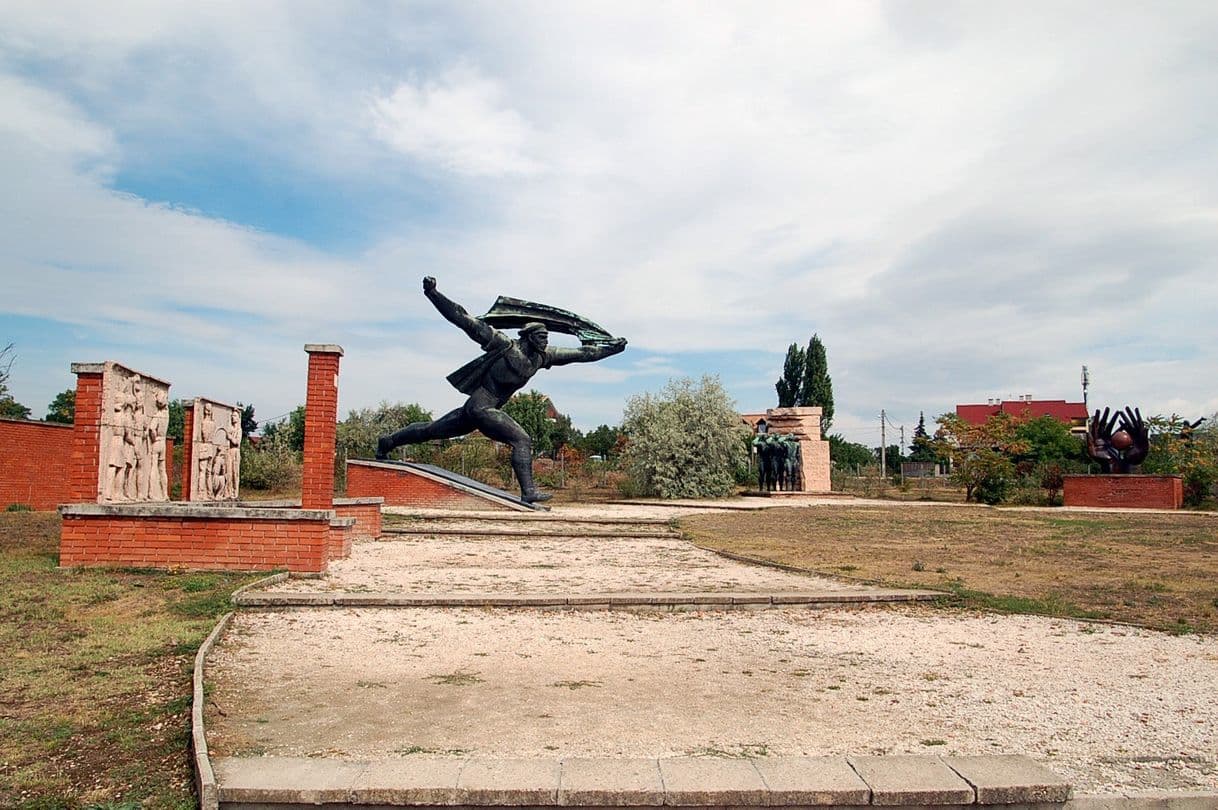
(816, 387)
(920, 447)
(788, 386)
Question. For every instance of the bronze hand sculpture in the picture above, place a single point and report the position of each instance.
(1118, 450)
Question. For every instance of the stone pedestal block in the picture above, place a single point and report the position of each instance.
(804, 423)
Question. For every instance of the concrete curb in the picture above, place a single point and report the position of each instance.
(592, 601)
(273, 579)
(906, 781)
(205, 776)
(628, 534)
(414, 516)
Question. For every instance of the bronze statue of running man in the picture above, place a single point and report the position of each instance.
(490, 380)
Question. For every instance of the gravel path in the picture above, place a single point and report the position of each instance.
(1109, 708)
(548, 565)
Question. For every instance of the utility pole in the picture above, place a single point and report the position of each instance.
(902, 440)
(883, 445)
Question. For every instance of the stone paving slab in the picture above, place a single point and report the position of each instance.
(1010, 779)
(912, 781)
(709, 782)
(286, 779)
(606, 782)
(812, 781)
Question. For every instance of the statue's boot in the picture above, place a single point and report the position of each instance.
(384, 445)
(522, 465)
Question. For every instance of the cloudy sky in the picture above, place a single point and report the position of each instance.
(965, 200)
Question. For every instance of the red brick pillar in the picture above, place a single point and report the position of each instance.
(321, 426)
(83, 474)
(188, 446)
(169, 468)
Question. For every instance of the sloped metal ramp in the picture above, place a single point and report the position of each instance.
(459, 482)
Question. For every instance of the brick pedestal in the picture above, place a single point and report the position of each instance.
(199, 537)
(86, 437)
(321, 426)
(1124, 491)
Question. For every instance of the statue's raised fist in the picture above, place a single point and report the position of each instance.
(429, 283)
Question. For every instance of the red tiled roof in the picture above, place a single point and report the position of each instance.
(1059, 409)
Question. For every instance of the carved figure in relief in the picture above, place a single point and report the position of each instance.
(115, 480)
(205, 450)
(141, 469)
(232, 454)
(158, 428)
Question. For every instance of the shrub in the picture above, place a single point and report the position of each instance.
(18, 507)
(274, 466)
(1052, 479)
(986, 476)
(685, 442)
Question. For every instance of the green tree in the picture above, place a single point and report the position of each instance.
(816, 386)
(357, 434)
(788, 385)
(249, 425)
(849, 456)
(892, 458)
(685, 442)
(986, 476)
(921, 448)
(1179, 448)
(176, 429)
(62, 408)
(531, 410)
(1048, 439)
(601, 442)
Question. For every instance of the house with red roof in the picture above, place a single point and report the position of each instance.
(1073, 414)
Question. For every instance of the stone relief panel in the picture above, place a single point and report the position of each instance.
(215, 455)
(134, 421)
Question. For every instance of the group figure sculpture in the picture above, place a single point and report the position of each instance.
(779, 465)
(1118, 447)
(503, 369)
(135, 445)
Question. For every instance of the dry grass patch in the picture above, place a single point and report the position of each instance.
(96, 675)
(1158, 571)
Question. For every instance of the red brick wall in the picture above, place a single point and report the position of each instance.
(340, 538)
(403, 488)
(169, 470)
(34, 461)
(367, 519)
(86, 439)
(188, 447)
(201, 543)
(321, 427)
(1124, 491)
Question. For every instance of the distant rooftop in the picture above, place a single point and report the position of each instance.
(1070, 413)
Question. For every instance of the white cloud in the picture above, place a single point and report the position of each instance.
(964, 201)
(458, 121)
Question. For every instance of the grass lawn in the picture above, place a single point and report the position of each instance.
(1155, 570)
(95, 680)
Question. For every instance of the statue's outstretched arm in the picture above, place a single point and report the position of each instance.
(588, 353)
(455, 314)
